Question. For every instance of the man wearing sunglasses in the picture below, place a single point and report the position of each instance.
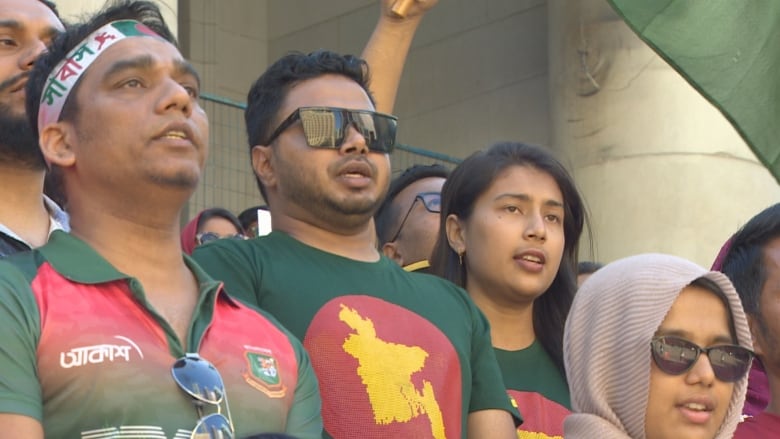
(752, 262)
(397, 354)
(407, 222)
(111, 331)
(27, 218)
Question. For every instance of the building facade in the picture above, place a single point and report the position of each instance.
(660, 169)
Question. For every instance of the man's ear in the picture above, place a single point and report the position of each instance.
(391, 250)
(55, 141)
(456, 233)
(262, 163)
(755, 332)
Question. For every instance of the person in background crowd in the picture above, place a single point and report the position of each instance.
(210, 225)
(407, 222)
(751, 259)
(585, 269)
(27, 217)
(110, 331)
(510, 226)
(248, 219)
(656, 347)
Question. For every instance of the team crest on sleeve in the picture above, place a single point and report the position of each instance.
(262, 372)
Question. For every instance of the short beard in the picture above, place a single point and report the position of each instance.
(180, 180)
(18, 144)
(303, 190)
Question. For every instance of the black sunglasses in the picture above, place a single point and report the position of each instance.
(675, 356)
(201, 380)
(202, 238)
(326, 127)
(432, 203)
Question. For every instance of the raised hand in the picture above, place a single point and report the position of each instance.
(389, 44)
(406, 9)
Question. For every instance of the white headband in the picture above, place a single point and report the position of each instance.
(67, 73)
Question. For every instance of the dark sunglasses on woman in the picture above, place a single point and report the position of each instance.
(675, 356)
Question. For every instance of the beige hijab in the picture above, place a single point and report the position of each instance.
(606, 344)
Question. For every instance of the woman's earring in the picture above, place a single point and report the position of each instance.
(460, 257)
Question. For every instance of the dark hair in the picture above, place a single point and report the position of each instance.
(218, 212)
(713, 287)
(268, 92)
(460, 192)
(143, 11)
(588, 267)
(387, 214)
(744, 261)
(54, 187)
(249, 216)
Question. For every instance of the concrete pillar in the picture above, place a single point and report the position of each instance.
(660, 168)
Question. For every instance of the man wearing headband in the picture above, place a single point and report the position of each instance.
(26, 218)
(397, 354)
(110, 331)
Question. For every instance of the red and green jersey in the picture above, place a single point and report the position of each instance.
(538, 388)
(397, 354)
(84, 353)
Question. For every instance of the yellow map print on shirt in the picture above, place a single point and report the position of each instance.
(386, 370)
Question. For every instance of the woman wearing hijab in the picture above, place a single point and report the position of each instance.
(656, 347)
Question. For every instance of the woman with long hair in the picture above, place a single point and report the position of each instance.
(511, 219)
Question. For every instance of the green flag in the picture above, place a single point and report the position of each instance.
(729, 50)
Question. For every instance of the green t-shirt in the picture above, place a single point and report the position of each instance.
(86, 354)
(397, 354)
(538, 387)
